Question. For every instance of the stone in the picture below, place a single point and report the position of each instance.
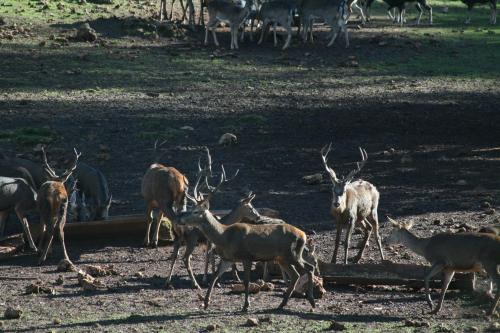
(336, 326)
(12, 313)
(228, 139)
(252, 322)
(314, 179)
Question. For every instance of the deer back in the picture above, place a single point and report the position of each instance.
(35, 170)
(163, 185)
(361, 197)
(16, 192)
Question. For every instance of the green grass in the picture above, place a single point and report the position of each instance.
(28, 136)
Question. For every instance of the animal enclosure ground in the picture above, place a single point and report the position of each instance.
(423, 101)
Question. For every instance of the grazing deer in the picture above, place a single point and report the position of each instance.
(94, 190)
(13, 171)
(354, 204)
(334, 12)
(471, 3)
(450, 253)
(277, 12)
(231, 13)
(242, 242)
(162, 188)
(16, 194)
(52, 203)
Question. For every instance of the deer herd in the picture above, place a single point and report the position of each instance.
(243, 235)
(301, 13)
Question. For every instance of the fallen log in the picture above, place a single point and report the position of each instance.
(125, 225)
(10, 245)
(388, 273)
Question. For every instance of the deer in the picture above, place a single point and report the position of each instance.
(20, 167)
(18, 195)
(471, 3)
(277, 12)
(400, 5)
(163, 188)
(94, 191)
(52, 203)
(334, 12)
(354, 204)
(246, 243)
(228, 12)
(450, 253)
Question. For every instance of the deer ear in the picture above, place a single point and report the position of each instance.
(393, 222)
(251, 197)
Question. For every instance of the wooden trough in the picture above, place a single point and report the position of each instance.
(388, 273)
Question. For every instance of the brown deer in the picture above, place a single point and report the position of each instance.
(246, 243)
(52, 203)
(162, 188)
(450, 253)
(354, 204)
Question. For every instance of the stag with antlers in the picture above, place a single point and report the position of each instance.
(52, 203)
(354, 204)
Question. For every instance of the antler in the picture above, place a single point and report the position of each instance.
(52, 174)
(359, 165)
(46, 165)
(324, 157)
(69, 171)
(223, 179)
(202, 173)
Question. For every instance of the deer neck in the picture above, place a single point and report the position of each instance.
(414, 243)
(232, 217)
(213, 229)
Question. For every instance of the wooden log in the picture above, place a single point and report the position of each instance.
(10, 245)
(122, 226)
(387, 273)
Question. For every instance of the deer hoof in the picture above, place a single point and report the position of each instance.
(205, 306)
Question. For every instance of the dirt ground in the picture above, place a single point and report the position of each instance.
(423, 101)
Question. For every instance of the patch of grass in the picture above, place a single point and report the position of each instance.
(28, 136)
(164, 134)
(253, 119)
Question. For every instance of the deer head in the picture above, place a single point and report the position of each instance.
(399, 228)
(51, 173)
(339, 184)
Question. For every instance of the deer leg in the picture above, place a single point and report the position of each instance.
(493, 16)
(175, 254)
(350, 229)
(161, 11)
(26, 229)
(337, 243)
(367, 231)
(223, 266)
(214, 36)
(171, 9)
(446, 282)
(247, 266)
(184, 10)
(235, 273)
(201, 18)
(374, 219)
(191, 13)
(41, 237)
(419, 9)
(3, 222)
(491, 269)
(435, 269)
(48, 242)
(157, 228)
(263, 30)
(149, 221)
(208, 256)
(288, 26)
(265, 273)
(346, 34)
(360, 10)
(294, 276)
(60, 226)
(252, 22)
(187, 261)
(274, 34)
(469, 10)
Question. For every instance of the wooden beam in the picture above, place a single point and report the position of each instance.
(125, 225)
(387, 273)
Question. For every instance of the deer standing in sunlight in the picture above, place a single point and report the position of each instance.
(246, 243)
(354, 204)
(162, 188)
(450, 253)
(52, 203)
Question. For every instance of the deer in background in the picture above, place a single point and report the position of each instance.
(277, 12)
(354, 204)
(228, 12)
(450, 253)
(334, 12)
(242, 242)
(16, 194)
(493, 5)
(23, 168)
(52, 203)
(162, 188)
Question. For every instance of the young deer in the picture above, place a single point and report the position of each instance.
(353, 204)
(450, 253)
(229, 12)
(400, 5)
(16, 194)
(242, 242)
(52, 203)
(277, 12)
(334, 12)
(162, 188)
